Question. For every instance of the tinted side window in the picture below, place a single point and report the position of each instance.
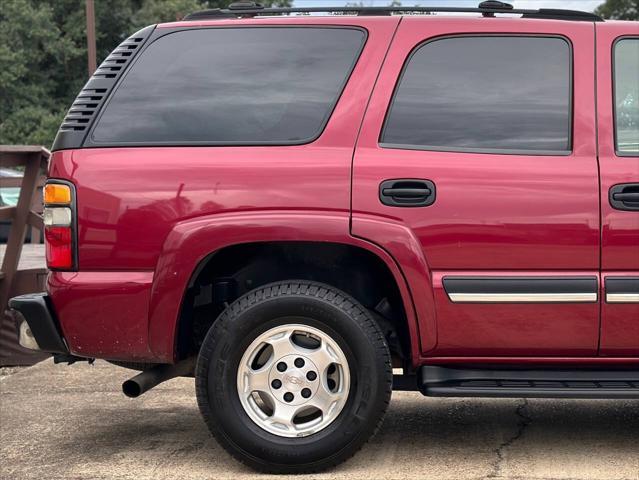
(505, 94)
(627, 96)
(232, 86)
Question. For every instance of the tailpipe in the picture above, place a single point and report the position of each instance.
(136, 386)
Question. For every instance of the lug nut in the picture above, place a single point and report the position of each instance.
(276, 383)
(299, 362)
(282, 367)
(311, 376)
(306, 392)
(288, 397)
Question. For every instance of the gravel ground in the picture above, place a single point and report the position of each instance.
(6, 371)
(72, 422)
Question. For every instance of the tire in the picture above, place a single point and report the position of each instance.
(359, 386)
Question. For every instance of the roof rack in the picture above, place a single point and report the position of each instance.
(489, 8)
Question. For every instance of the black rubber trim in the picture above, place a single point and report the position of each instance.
(550, 383)
(622, 284)
(485, 284)
(34, 308)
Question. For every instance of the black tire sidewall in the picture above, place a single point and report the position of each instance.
(232, 334)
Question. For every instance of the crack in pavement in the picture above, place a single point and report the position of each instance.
(523, 420)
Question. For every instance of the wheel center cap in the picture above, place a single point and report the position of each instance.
(294, 381)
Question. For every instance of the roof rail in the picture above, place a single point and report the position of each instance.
(488, 8)
(213, 13)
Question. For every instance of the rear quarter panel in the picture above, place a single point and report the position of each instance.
(130, 199)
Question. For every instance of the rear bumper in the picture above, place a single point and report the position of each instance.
(37, 328)
(104, 314)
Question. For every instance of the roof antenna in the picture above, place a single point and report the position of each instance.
(494, 5)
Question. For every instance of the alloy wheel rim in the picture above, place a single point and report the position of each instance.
(293, 380)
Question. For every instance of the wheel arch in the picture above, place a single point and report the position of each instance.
(194, 246)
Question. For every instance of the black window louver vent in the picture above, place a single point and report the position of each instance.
(91, 98)
(118, 58)
(83, 109)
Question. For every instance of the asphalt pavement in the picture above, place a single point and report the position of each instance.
(72, 422)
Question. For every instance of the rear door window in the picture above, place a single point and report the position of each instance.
(502, 94)
(232, 86)
(626, 72)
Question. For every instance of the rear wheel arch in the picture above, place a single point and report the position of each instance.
(226, 274)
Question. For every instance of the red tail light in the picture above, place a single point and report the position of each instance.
(58, 220)
(59, 247)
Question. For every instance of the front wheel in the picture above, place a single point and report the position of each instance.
(293, 377)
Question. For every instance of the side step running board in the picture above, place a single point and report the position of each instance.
(548, 383)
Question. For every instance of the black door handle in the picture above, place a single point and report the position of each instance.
(625, 196)
(407, 192)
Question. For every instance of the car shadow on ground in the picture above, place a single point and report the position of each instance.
(443, 437)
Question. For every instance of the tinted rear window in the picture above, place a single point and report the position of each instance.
(501, 94)
(232, 86)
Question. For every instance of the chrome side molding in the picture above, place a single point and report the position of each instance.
(622, 297)
(523, 297)
(486, 289)
(573, 289)
(622, 289)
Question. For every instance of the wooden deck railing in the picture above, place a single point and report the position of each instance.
(26, 214)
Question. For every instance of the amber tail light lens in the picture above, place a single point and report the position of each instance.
(58, 225)
(57, 194)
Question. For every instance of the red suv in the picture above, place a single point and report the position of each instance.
(292, 208)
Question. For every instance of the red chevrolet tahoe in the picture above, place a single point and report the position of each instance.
(306, 211)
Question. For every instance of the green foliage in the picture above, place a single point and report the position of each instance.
(619, 9)
(43, 54)
(31, 125)
(154, 11)
(31, 47)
